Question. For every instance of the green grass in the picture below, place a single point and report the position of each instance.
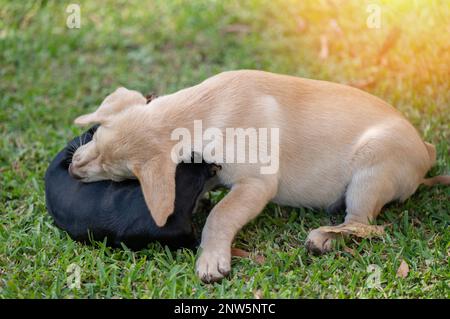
(50, 74)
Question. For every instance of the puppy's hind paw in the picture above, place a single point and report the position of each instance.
(319, 243)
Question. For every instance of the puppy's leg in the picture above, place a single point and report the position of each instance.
(370, 189)
(243, 203)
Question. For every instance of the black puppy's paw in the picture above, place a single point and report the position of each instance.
(213, 169)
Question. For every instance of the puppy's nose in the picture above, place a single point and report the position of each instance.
(72, 174)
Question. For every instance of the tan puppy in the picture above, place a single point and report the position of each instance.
(336, 143)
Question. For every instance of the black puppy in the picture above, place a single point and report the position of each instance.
(117, 211)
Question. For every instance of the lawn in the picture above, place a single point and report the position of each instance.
(51, 73)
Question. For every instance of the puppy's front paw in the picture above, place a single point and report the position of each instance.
(319, 242)
(213, 266)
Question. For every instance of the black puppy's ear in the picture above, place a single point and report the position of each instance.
(213, 169)
(150, 97)
(93, 129)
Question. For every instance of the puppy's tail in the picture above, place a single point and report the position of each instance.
(441, 179)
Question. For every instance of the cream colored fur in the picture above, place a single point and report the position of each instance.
(334, 141)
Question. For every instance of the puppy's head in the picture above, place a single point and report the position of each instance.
(101, 158)
(125, 146)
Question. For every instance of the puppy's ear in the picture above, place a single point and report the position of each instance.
(87, 119)
(157, 179)
(116, 102)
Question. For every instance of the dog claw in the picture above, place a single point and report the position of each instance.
(213, 267)
(319, 243)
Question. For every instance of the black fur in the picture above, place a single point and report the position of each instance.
(336, 210)
(117, 211)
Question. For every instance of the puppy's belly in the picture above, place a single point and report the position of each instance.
(316, 188)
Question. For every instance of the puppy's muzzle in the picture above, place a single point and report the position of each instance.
(72, 174)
